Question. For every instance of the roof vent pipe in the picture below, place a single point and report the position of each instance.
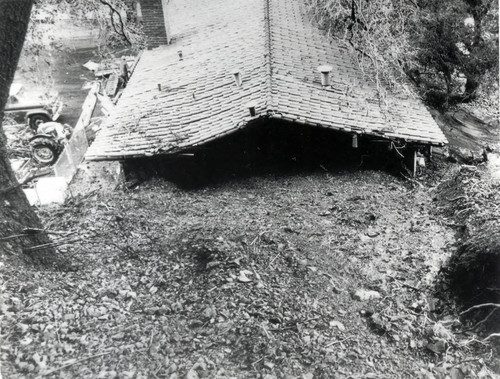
(159, 87)
(180, 54)
(251, 108)
(325, 74)
(237, 78)
(355, 141)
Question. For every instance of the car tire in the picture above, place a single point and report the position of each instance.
(37, 119)
(44, 150)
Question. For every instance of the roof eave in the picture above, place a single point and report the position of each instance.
(268, 115)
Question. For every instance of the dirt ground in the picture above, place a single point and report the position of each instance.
(317, 275)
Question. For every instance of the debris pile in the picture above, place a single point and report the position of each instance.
(317, 276)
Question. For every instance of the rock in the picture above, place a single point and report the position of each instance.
(172, 369)
(365, 295)
(467, 156)
(118, 336)
(200, 364)
(243, 278)
(302, 262)
(151, 310)
(213, 264)
(196, 323)
(438, 347)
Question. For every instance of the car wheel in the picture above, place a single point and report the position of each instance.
(37, 119)
(44, 150)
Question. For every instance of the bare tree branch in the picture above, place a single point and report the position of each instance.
(113, 11)
(480, 306)
(492, 336)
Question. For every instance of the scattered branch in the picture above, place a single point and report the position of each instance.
(457, 198)
(338, 341)
(50, 245)
(484, 319)
(74, 363)
(31, 231)
(19, 184)
(480, 306)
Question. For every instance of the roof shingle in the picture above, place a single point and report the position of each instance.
(276, 48)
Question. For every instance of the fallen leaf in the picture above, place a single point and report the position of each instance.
(337, 324)
(26, 341)
(243, 277)
(456, 373)
(365, 295)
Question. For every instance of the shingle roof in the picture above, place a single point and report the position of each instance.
(276, 47)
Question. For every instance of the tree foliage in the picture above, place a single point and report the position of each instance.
(116, 20)
(110, 24)
(448, 49)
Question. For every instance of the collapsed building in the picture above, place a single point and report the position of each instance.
(217, 68)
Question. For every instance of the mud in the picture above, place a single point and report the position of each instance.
(465, 130)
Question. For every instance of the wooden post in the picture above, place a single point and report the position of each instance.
(414, 163)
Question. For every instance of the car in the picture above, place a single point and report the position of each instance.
(32, 108)
(49, 142)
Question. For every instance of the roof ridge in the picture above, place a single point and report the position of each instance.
(267, 25)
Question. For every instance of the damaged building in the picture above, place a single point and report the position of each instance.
(239, 76)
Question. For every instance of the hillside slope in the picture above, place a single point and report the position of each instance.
(312, 276)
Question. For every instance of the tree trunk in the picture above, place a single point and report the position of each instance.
(471, 86)
(16, 215)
